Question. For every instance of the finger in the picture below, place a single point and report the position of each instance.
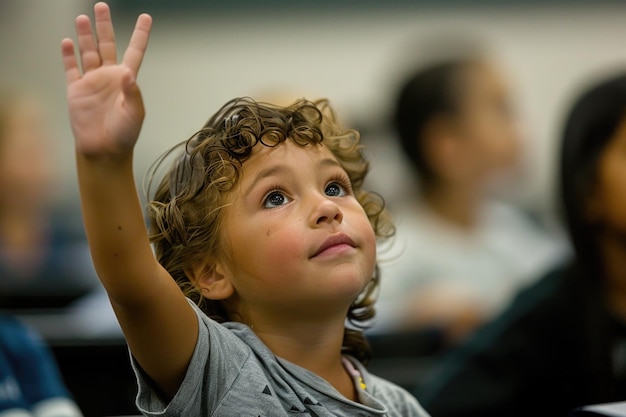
(105, 33)
(72, 72)
(90, 58)
(138, 43)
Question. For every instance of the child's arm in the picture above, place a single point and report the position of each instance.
(106, 113)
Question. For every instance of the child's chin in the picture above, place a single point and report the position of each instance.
(350, 286)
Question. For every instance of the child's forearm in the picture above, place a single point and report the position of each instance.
(115, 227)
(159, 325)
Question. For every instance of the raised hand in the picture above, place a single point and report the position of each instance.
(105, 105)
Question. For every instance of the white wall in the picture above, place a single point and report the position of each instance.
(196, 64)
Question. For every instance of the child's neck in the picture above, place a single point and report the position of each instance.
(314, 345)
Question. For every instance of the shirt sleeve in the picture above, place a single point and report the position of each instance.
(215, 364)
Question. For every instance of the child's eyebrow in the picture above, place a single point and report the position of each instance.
(329, 162)
(278, 169)
(267, 172)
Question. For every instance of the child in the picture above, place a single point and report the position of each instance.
(42, 263)
(562, 343)
(261, 221)
(464, 254)
(37, 263)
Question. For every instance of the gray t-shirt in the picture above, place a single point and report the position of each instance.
(233, 374)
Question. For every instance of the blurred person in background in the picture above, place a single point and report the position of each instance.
(44, 260)
(35, 260)
(462, 254)
(562, 343)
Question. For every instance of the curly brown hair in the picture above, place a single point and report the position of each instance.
(185, 220)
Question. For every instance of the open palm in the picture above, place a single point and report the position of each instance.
(105, 105)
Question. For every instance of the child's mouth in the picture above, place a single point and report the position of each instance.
(335, 244)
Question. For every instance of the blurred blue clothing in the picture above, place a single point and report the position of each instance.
(28, 373)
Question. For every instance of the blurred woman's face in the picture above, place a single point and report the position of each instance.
(607, 203)
(25, 174)
(488, 122)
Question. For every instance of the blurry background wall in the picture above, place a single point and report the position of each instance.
(353, 54)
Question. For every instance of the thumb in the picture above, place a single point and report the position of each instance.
(132, 94)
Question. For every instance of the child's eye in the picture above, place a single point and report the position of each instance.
(275, 199)
(334, 189)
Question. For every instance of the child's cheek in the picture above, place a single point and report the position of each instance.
(369, 246)
(283, 245)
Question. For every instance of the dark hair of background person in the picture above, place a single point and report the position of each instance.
(432, 91)
(589, 127)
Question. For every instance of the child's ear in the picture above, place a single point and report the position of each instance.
(212, 280)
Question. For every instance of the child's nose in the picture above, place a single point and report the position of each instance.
(328, 212)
